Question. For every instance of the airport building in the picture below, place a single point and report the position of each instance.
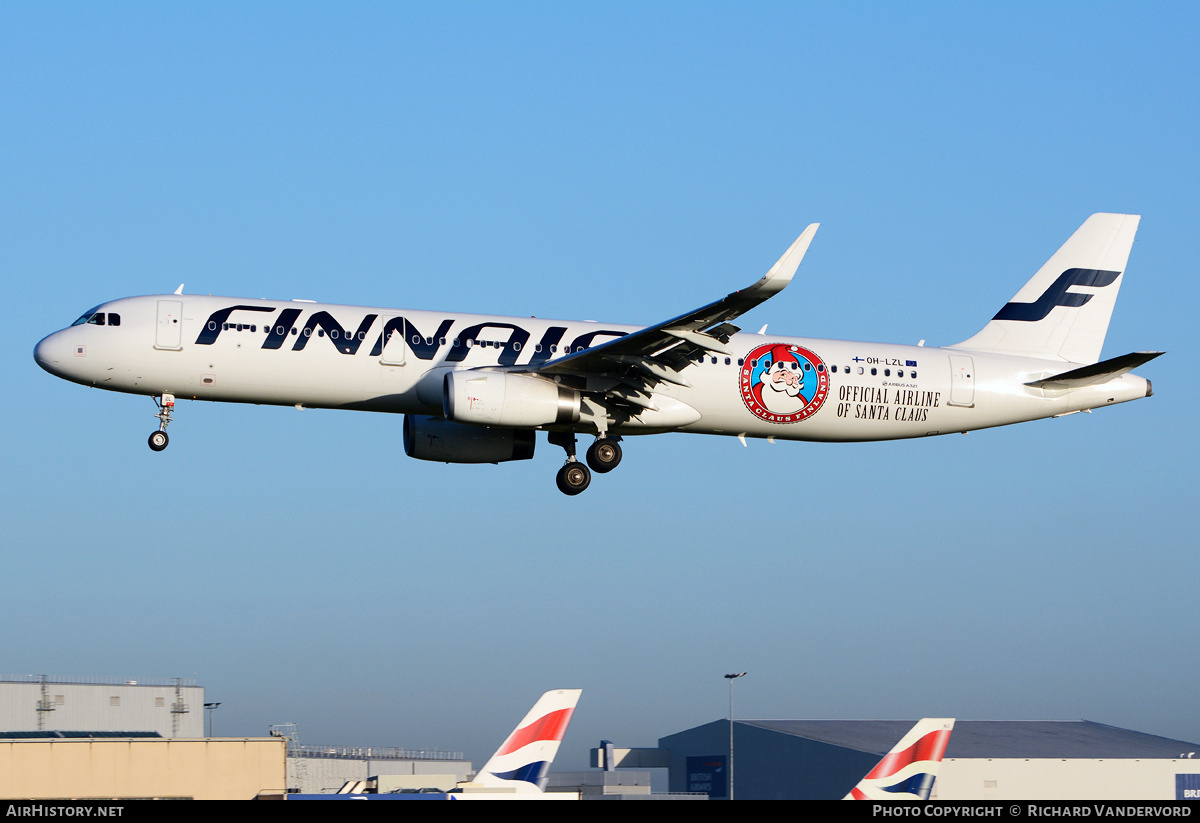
(985, 760)
(126, 737)
(140, 738)
(326, 769)
(172, 707)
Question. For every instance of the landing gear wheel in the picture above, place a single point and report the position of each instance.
(158, 440)
(604, 455)
(573, 478)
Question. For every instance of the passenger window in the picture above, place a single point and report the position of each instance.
(874, 372)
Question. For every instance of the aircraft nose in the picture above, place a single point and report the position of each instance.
(51, 353)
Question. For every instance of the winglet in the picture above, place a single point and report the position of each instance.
(785, 267)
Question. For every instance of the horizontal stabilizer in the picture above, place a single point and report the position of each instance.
(1096, 373)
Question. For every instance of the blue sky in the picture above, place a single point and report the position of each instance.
(621, 162)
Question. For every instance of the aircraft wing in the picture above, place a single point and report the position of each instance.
(627, 368)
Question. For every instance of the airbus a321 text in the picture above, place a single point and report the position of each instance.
(476, 389)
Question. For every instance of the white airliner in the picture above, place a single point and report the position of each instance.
(476, 388)
(522, 762)
(519, 768)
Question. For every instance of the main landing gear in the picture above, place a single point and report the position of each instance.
(603, 456)
(166, 406)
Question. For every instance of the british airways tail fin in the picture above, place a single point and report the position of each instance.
(525, 757)
(909, 769)
(1063, 312)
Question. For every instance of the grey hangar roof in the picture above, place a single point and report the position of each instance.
(991, 738)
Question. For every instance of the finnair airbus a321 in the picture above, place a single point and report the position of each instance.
(476, 388)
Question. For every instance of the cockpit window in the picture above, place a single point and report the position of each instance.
(85, 317)
(98, 318)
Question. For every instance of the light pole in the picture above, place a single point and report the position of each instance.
(731, 678)
(210, 708)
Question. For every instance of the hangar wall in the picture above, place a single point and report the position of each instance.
(215, 769)
(1052, 779)
(172, 707)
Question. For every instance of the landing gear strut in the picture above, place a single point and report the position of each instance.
(573, 477)
(166, 406)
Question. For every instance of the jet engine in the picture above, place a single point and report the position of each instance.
(443, 441)
(491, 398)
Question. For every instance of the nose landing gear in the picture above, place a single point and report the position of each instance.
(166, 406)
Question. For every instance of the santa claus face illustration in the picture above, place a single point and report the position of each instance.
(783, 383)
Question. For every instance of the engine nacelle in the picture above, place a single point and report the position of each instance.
(443, 441)
(491, 398)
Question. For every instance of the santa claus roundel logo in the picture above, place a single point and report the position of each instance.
(782, 383)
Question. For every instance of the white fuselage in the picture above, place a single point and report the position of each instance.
(334, 356)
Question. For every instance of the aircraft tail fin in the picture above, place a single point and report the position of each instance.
(907, 772)
(1062, 313)
(525, 757)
